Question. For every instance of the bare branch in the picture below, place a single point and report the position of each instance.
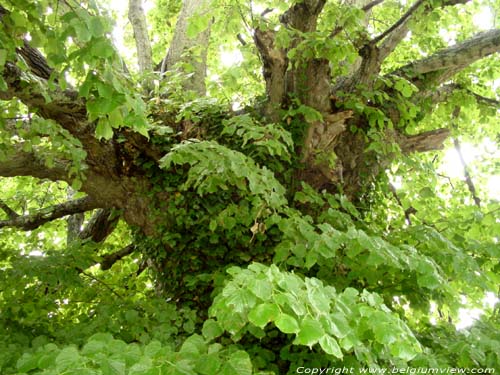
(427, 141)
(28, 164)
(109, 259)
(399, 22)
(74, 222)
(397, 32)
(447, 62)
(100, 225)
(143, 45)
(371, 5)
(445, 91)
(30, 222)
(9, 211)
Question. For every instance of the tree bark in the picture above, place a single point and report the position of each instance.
(143, 45)
(191, 51)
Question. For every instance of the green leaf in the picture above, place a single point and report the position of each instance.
(310, 332)
(68, 358)
(113, 367)
(27, 362)
(262, 314)
(238, 364)
(287, 323)
(211, 329)
(103, 129)
(330, 346)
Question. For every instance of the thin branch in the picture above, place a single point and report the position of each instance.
(371, 5)
(102, 283)
(73, 222)
(410, 210)
(448, 178)
(109, 259)
(399, 22)
(458, 148)
(9, 211)
(467, 176)
(30, 222)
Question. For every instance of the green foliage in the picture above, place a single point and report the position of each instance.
(245, 269)
(316, 314)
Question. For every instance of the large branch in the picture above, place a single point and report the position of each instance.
(109, 259)
(427, 141)
(64, 107)
(303, 15)
(379, 48)
(143, 45)
(309, 83)
(443, 92)
(274, 66)
(22, 163)
(30, 222)
(11, 214)
(445, 63)
(398, 31)
(192, 51)
(100, 225)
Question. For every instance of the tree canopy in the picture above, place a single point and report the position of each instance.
(249, 187)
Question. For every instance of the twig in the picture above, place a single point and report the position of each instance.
(408, 13)
(467, 176)
(409, 211)
(103, 284)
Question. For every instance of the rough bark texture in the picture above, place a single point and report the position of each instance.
(30, 222)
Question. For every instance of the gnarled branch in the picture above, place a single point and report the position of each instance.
(23, 163)
(443, 64)
(30, 222)
(426, 141)
(100, 225)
